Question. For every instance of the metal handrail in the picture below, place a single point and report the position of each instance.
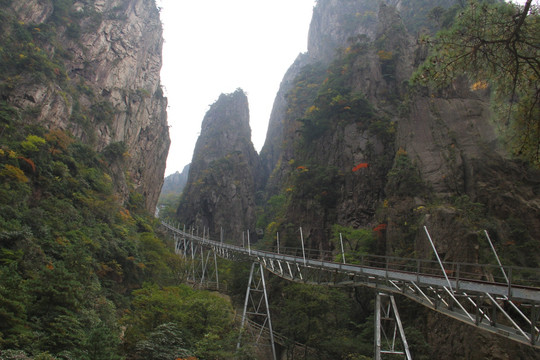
(457, 272)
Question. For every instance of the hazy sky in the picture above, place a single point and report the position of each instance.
(216, 46)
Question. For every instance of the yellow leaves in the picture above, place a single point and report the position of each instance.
(13, 173)
(311, 110)
(32, 143)
(124, 214)
(401, 152)
(272, 227)
(479, 85)
(385, 55)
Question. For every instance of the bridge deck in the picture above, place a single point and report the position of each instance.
(462, 295)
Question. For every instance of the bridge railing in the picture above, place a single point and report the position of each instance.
(456, 271)
(513, 275)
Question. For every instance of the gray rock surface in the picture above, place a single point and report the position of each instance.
(225, 172)
(114, 62)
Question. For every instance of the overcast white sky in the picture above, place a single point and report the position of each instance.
(216, 46)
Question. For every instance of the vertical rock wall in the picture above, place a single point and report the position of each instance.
(225, 172)
(107, 90)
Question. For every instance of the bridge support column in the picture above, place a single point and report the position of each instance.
(256, 305)
(387, 324)
(201, 263)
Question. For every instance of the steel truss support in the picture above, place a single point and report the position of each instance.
(508, 308)
(387, 325)
(202, 268)
(256, 306)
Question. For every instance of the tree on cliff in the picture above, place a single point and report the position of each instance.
(496, 45)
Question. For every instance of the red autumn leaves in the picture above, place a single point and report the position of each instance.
(360, 166)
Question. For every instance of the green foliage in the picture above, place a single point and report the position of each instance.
(166, 342)
(61, 10)
(418, 345)
(331, 102)
(103, 111)
(168, 204)
(272, 215)
(470, 211)
(32, 143)
(115, 151)
(190, 318)
(356, 242)
(404, 178)
(70, 254)
(315, 183)
(307, 314)
(24, 51)
(495, 46)
(428, 15)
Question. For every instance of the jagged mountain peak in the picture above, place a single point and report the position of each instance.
(225, 171)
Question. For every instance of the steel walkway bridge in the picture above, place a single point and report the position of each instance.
(501, 300)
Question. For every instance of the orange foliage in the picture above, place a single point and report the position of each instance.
(360, 166)
(379, 227)
(479, 85)
(59, 138)
(29, 162)
(384, 55)
(124, 214)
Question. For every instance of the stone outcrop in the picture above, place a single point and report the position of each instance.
(175, 183)
(225, 172)
(107, 58)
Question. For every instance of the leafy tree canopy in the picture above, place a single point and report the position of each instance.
(495, 45)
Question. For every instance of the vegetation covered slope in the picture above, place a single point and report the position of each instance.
(73, 261)
(83, 272)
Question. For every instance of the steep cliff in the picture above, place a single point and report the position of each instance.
(92, 68)
(354, 147)
(225, 172)
(359, 147)
(428, 158)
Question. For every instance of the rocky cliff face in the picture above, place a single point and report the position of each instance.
(352, 143)
(92, 67)
(175, 183)
(225, 172)
(361, 148)
(419, 148)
